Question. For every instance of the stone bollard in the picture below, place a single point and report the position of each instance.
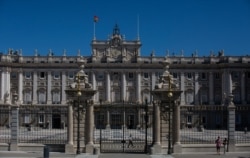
(46, 152)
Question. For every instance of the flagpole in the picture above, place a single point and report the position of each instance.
(94, 38)
(138, 27)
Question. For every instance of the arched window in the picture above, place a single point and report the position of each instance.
(27, 96)
(41, 97)
(189, 97)
(56, 97)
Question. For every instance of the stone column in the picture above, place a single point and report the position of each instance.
(2, 85)
(153, 81)
(90, 128)
(124, 87)
(182, 88)
(196, 88)
(243, 88)
(63, 96)
(14, 128)
(7, 86)
(230, 82)
(20, 86)
(94, 85)
(69, 148)
(156, 148)
(49, 88)
(34, 101)
(139, 119)
(108, 91)
(177, 142)
(231, 124)
(138, 87)
(108, 120)
(211, 88)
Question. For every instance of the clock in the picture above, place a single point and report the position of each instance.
(115, 53)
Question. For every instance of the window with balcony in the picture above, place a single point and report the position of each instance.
(41, 97)
(55, 97)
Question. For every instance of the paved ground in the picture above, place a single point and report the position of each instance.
(21, 154)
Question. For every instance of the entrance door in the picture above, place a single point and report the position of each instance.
(56, 121)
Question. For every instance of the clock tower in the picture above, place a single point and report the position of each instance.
(116, 49)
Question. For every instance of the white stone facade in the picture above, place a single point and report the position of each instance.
(118, 72)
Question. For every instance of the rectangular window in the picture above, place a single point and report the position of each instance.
(235, 75)
(248, 74)
(100, 76)
(42, 75)
(203, 76)
(130, 75)
(41, 118)
(217, 76)
(71, 75)
(27, 75)
(189, 75)
(218, 119)
(145, 75)
(174, 75)
(56, 75)
(26, 118)
(13, 75)
(189, 119)
(238, 119)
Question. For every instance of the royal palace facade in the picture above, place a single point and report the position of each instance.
(119, 73)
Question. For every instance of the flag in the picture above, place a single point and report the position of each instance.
(96, 19)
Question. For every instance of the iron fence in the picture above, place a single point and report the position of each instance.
(43, 124)
(203, 124)
(5, 117)
(242, 124)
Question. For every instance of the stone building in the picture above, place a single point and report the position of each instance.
(120, 74)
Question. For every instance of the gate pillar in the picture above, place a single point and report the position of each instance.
(69, 148)
(231, 124)
(156, 148)
(14, 124)
(90, 128)
(177, 143)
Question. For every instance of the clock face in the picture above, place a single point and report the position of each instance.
(115, 53)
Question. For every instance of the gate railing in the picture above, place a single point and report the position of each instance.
(36, 124)
(204, 123)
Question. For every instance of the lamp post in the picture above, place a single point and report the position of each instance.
(146, 125)
(100, 125)
(170, 95)
(79, 93)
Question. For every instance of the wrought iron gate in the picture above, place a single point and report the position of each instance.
(118, 124)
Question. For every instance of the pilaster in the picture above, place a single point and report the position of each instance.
(63, 101)
(20, 86)
(124, 86)
(182, 88)
(108, 88)
(138, 86)
(211, 88)
(196, 88)
(243, 88)
(49, 88)
(34, 101)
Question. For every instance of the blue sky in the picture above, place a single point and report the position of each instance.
(173, 25)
